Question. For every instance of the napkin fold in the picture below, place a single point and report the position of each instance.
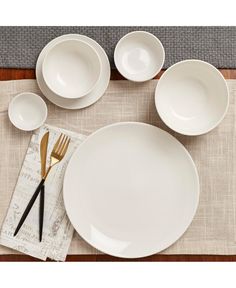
(57, 231)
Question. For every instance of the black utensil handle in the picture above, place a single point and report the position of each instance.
(41, 212)
(29, 206)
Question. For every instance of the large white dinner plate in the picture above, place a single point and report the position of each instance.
(131, 189)
(93, 96)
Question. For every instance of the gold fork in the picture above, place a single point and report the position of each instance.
(58, 152)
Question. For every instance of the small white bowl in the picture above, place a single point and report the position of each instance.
(27, 111)
(139, 56)
(71, 69)
(192, 97)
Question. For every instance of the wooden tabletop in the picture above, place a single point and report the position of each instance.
(14, 74)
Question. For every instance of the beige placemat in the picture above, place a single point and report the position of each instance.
(213, 228)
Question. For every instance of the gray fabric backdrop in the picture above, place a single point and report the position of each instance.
(20, 46)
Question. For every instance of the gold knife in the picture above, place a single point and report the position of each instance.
(43, 153)
(43, 157)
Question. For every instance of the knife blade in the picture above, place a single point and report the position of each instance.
(43, 158)
(43, 153)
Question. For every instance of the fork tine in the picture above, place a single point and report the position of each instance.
(63, 152)
(57, 143)
(61, 145)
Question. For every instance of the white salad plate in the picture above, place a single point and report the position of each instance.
(139, 56)
(27, 111)
(131, 189)
(71, 68)
(192, 97)
(90, 98)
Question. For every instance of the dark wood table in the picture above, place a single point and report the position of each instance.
(14, 74)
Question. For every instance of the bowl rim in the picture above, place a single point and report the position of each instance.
(49, 85)
(12, 102)
(158, 42)
(226, 95)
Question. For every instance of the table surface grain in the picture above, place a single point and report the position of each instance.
(16, 74)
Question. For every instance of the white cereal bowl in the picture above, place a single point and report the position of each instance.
(71, 68)
(27, 111)
(139, 56)
(192, 97)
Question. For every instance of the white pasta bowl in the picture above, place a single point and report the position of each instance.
(71, 69)
(139, 56)
(192, 97)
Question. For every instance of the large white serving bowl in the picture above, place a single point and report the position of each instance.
(131, 189)
(71, 68)
(192, 97)
(139, 56)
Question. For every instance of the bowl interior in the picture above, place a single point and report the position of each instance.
(71, 68)
(27, 111)
(139, 56)
(192, 97)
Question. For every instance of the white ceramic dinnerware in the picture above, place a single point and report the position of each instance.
(71, 68)
(91, 97)
(131, 189)
(139, 56)
(192, 97)
(27, 111)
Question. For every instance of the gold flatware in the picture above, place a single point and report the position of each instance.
(58, 153)
(43, 153)
(43, 158)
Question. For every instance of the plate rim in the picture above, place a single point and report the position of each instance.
(106, 73)
(196, 175)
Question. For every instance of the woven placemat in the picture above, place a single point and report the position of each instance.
(213, 230)
(20, 46)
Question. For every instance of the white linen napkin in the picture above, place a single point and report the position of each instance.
(57, 230)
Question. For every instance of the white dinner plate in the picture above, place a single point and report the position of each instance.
(131, 189)
(93, 96)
